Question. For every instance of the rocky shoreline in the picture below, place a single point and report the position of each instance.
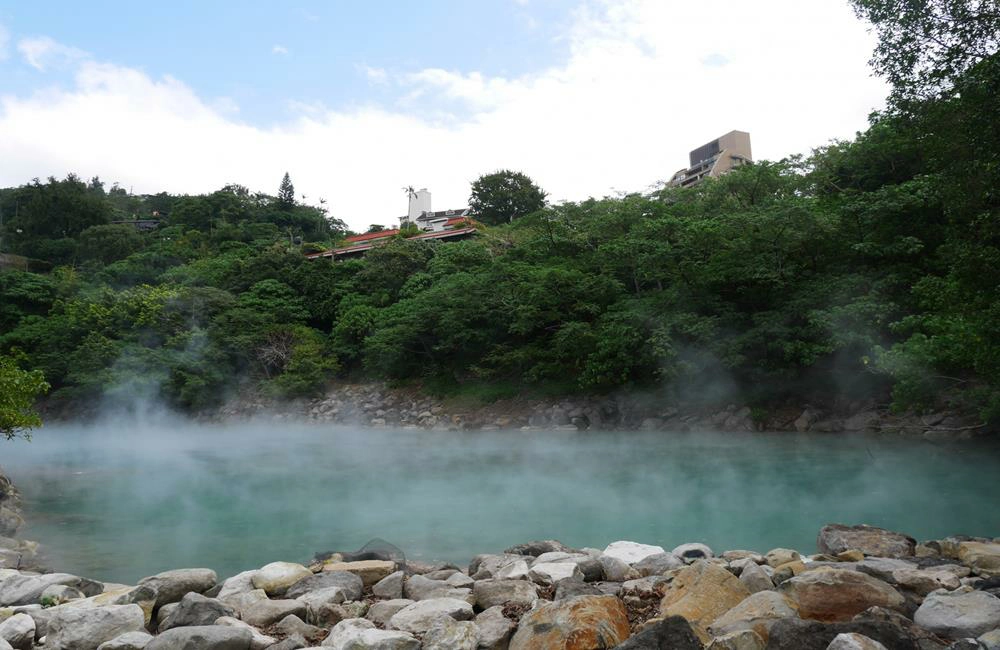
(378, 405)
(865, 589)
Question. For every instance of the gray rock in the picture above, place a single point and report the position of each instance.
(292, 625)
(266, 612)
(329, 614)
(349, 583)
(422, 588)
(538, 547)
(258, 641)
(990, 640)
(673, 632)
(195, 609)
(18, 631)
(277, 577)
(658, 564)
(390, 586)
(127, 641)
(570, 587)
(489, 593)
(755, 579)
(854, 641)
(419, 616)
(879, 542)
(514, 571)
(20, 589)
(552, 572)
(293, 642)
(85, 628)
(883, 567)
(238, 584)
(617, 570)
(359, 634)
(5, 646)
(487, 566)
(202, 637)
(742, 640)
(460, 580)
(631, 552)
(693, 551)
(495, 629)
(380, 613)
(170, 586)
(448, 634)
(959, 614)
(314, 600)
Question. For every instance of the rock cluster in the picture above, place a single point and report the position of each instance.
(867, 589)
(378, 405)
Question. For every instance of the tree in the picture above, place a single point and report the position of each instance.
(286, 193)
(18, 390)
(503, 196)
(925, 45)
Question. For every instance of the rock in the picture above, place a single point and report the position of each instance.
(881, 567)
(170, 586)
(448, 634)
(850, 555)
(584, 622)
(18, 631)
(549, 573)
(349, 583)
(981, 557)
(85, 628)
(266, 612)
(489, 593)
(990, 640)
(702, 593)
(380, 612)
(631, 552)
(658, 564)
(797, 634)
(536, 548)
(617, 570)
(755, 578)
(195, 609)
(778, 556)
(853, 641)
(275, 578)
(570, 588)
(836, 538)
(127, 641)
(292, 625)
(495, 629)
(959, 614)
(258, 641)
(19, 589)
(359, 634)
(693, 551)
(5, 646)
(487, 566)
(673, 633)
(292, 642)
(787, 571)
(837, 595)
(555, 556)
(515, 571)
(10, 521)
(924, 581)
(202, 637)
(757, 612)
(370, 571)
(390, 586)
(238, 584)
(421, 588)
(742, 640)
(243, 600)
(315, 600)
(419, 616)
(329, 614)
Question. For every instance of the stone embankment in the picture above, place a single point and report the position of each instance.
(865, 589)
(378, 405)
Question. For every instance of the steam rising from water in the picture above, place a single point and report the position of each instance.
(120, 500)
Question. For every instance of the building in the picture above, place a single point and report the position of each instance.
(444, 225)
(714, 159)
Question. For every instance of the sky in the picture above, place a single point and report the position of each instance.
(357, 100)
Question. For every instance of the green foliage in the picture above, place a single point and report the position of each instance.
(503, 196)
(18, 390)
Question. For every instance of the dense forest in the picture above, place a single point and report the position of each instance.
(868, 268)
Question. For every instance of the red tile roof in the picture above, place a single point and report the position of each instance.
(372, 235)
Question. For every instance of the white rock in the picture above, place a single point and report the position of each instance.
(127, 641)
(552, 572)
(693, 551)
(854, 641)
(359, 634)
(275, 578)
(448, 634)
(86, 628)
(515, 571)
(258, 641)
(238, 584)
(419, 616)
(959, 614)
(18, 631)
(631, 552)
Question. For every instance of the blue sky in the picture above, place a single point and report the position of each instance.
(358, 99)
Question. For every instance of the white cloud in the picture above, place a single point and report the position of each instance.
(4, 43)
(279, 49)
(375, 75)
(41, 53)
(623, 110)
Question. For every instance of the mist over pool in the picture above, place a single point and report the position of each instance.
(120, 501)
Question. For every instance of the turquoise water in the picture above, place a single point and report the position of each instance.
(118, 502)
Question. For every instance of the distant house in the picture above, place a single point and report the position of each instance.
(714, 159)
(447, 225)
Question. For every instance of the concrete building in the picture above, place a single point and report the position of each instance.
(714, 159)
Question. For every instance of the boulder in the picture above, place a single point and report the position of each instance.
(755, 578)
(22, 589)
(990, 640)
(487, 566)
(959, 614)
(85, 628)
(548, 573)
(276, 578)
(202, 637)
(448, 634)
(380, 612)
(422, 588)
(837, 595)
(238, 584)
(349, 583)
(742, 640)
(515, 571)
(570, 588)
(495, 629)
(359, 634)
(370, 571)
(258, 641)
(267, 612)
(195, 609)
(924, 581)
(18, 631)
(390, 586)
(674, 633)
(757, 612)
(617, 570)
(5, 646)
(243, 600)
(702, 593)
(292, 625)
(693, 551)
(170, 586)
(981, 557)
(584, 622)
(536, 548)
(658, 564)
(631, 552)
(778, 556)
(127, 641)
(837, 538)
(315, 600)
(489, 593)
(329, 614)
(882, 568)
(854, 641)
(891, 629)
(419, 616)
